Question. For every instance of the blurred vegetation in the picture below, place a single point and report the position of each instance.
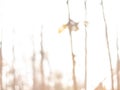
(21, 72)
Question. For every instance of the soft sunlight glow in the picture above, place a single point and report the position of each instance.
(25, 17)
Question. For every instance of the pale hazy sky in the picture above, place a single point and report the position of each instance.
(27, 16)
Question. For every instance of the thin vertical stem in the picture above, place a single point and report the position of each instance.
(34, 79)
(13, 62)
(118, 64)
(85, 4)
(73, 56)
(73, 62)
(33, 65)
(85, 59)
(108, 47)
(42, 60)
(13, 68)
(1, 62)
(68, 9)
(0, 66)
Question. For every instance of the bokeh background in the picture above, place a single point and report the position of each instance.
(36, 56)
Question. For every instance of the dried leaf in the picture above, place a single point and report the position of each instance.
(62, 28)
(73, 25)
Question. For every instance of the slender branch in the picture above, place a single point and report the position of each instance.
(73, 56)
(42, 60)
(108, 46)
(13, 68)
(85, 4)
(33, 66)
(68, 9)
(13, 63)
(118, 64)
(85, 59)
